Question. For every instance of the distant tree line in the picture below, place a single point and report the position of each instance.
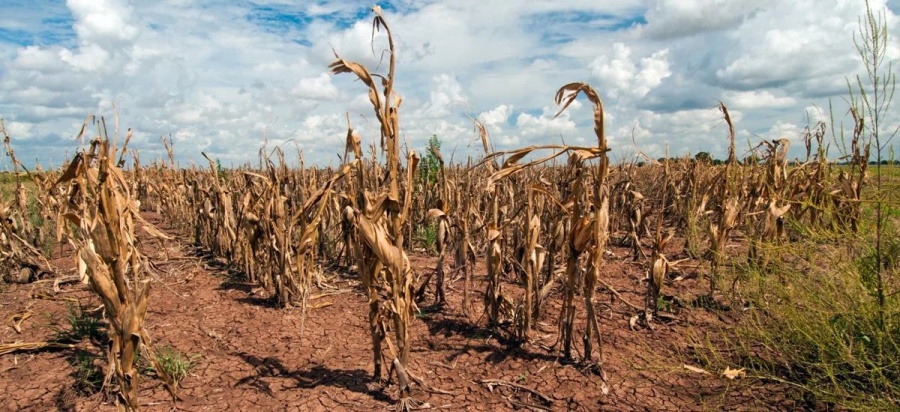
(705, 157)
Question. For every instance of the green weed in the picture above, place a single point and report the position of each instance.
(427, 236)
(81, 325)
(815, 324)
(88, 376)
(174, 363)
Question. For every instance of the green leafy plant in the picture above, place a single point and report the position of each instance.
(427, 235)
(174, 363)
(663, 305)
(430, 166)
(523, 377)
(220, 171)
(88, 376)
(82, 324)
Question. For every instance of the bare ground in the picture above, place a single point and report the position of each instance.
(249, 355)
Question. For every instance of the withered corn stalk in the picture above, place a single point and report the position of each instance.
(691, 196)
(847, 197)
(21, 197)
(579, 237)
(464, 258)
(441, 216)
(221, 212)
(659, 264)
(728, 194)
(21, 260)
(379, 222)
(589, 231)
(533, 261)
(600, 222)
(768, 200)
(102, 212)
(636, 223)
(497, 305)
(493, 293)
(35, 213)
(807, 184)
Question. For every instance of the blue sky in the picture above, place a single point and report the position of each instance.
(224, 77)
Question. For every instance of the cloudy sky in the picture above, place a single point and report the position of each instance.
(222, 76)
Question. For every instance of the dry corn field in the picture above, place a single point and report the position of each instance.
(544, 278)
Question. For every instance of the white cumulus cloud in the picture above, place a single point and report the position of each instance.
(224, 78)
(622, 76)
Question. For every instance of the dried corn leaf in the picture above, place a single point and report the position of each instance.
(17, 319)
(696, 369)
(435, 213)
(732, 374)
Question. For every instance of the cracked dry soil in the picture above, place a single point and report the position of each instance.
(250, 356)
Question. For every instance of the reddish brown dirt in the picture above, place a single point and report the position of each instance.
(251, 356)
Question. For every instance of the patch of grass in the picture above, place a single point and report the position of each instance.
(867, 265)
(174, 363)
(8, 186)
(88, 376)
(43, 228)
(815, 324)
(81, 325)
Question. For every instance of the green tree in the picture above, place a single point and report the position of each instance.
(703, 157)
